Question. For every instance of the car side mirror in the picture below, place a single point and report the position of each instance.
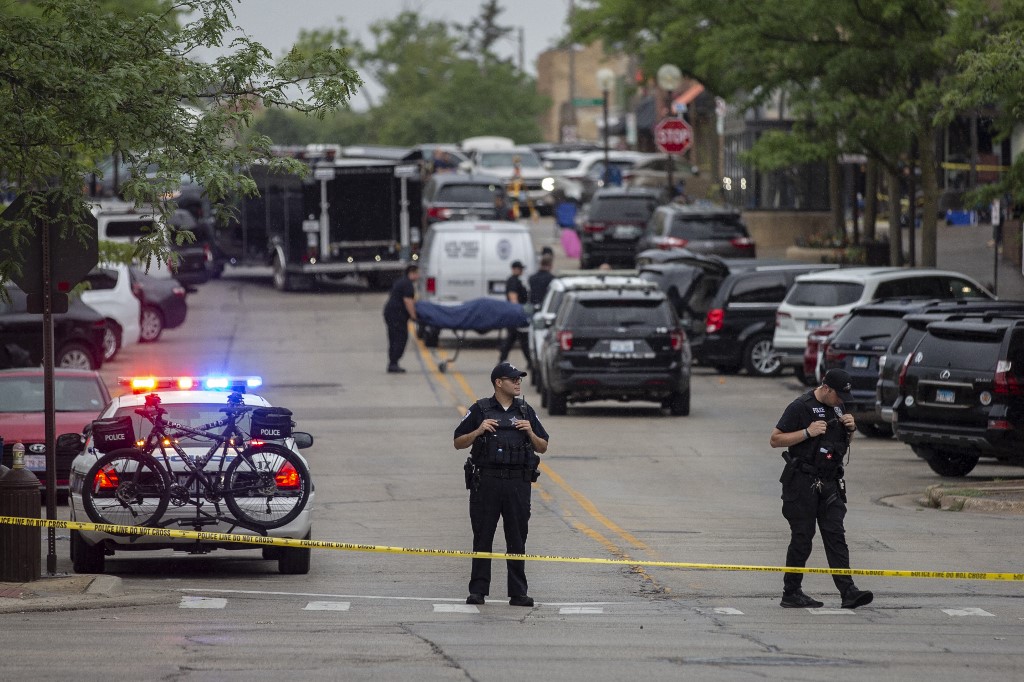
(465, 167)
(70, 442)
(548, 320)
(302, 439)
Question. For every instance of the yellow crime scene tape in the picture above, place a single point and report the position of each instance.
(462, 554)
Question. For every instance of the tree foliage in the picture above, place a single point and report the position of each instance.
(83, 79)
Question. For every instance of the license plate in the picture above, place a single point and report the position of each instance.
(945, 395)
(621, 346)
(625, 232)
(35, 462)
(813, 324)
(860, 362)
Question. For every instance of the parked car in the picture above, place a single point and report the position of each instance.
(819, 298)
(817, 342)
(89, 549)
(544, 316)
(458, 196)
(110, 293)
(77, 334)
(537, 181)
(162, 301)
(120, 222)
(701, 227)
(961, 393)
(690, 286)
(78, 397)
(616, 344)
(613, 223)
(652, 171)
(740, 321)
(578, 175)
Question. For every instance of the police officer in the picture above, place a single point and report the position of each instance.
(398, 310)
(506, 436)
(541, 280)
(516, 292)
(816, 432)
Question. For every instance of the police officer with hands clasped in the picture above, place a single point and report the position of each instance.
(506, 438)
(817, 432)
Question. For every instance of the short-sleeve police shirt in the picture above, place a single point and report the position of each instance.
(799, 415)
(475, 416)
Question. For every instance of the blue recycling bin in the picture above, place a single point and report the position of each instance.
(565, 214)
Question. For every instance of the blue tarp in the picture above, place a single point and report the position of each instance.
(479, 314)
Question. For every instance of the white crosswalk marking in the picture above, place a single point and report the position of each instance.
(578, 610)
(327, 606)
(831, 612)
(727, 611)
(455, 608)
(189, 602)
(970, 611)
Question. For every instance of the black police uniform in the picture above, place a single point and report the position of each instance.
(514, 284)
(396, 318)
(812, 491)
(539, 283)
(500, 487)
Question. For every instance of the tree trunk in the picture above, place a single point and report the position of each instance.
(870, 200)
(835, 197)
(930, 188)
(895, 231)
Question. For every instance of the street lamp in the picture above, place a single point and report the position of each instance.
(669, 78)
(605, 81)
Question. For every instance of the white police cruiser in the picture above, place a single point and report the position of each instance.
(192, 401)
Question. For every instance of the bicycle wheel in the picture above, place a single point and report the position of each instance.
(266, 485)
(125, 488)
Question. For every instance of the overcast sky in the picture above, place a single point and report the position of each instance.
(276, 23)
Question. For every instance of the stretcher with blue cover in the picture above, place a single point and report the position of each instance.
(479, 315)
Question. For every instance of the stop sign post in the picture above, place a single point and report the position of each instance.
(673, 136)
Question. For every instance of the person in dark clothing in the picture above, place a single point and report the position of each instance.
(540, 280)
(516, 292)
(398, 310)
(506, 436)
(817, 432)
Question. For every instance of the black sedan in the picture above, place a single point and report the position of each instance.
(77, 334)
(163, 304)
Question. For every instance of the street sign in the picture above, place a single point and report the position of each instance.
(587, 101)
(673, 135)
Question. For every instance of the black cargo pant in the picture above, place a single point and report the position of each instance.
(513, 334)
(508, 498)
(804, 506)
(398, 337)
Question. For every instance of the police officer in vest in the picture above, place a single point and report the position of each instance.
(506, 438)
(817, 432)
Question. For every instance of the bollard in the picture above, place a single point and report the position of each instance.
(20, 546)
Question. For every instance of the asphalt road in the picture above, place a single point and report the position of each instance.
(620, 480)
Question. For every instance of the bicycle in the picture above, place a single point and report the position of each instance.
(263, 484)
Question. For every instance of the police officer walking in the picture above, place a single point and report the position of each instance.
(816, 432)
(541, 280)
(506, 436)
(516, 292)
(398, 310)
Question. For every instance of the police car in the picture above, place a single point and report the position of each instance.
(192, 401)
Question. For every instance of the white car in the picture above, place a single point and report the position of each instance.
(191, 408)
(110, 294)
(577, 175)
(544, 316)
(537, 181)
(821, 298)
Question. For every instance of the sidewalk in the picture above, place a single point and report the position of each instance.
(75, 592)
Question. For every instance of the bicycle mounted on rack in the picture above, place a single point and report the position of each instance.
(263, 484)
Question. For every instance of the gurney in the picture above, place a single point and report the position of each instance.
(479, 315)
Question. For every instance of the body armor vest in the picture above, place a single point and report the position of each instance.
(508, 448)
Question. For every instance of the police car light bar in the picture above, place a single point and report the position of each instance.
(190, 383)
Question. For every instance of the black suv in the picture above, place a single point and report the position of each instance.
(461, 196)
(701, 227)
(616, 345)
(77, 334)
(740, 321)
(961, 393)
(614, 221)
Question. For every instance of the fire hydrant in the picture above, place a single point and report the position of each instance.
(20, 546)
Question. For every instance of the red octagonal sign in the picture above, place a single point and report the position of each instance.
(673, 135)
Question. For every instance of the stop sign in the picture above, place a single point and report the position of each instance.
(673, 135)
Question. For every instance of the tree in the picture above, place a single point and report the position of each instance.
(84, 79)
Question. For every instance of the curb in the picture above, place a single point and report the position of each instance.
(971, 499)
(102, 592)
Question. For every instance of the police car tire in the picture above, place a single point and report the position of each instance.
(85, 558)
(557, 404)
(294, 560)
(679, 405)
(136, 460)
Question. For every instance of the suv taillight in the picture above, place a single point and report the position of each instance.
(667, 243)
(742, 242)
(565, 340)
(714, 321)
(779, 316)
(431, 285)
(439, 213)
(902, 379)
(1004, 382)
(831, 354)
(594, 227)
(677, 337)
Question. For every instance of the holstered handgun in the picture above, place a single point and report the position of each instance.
(470, 471)
(789, 471)
(533, 465)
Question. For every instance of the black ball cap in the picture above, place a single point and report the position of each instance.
(839, 381)
(506, 370)
(517, 264)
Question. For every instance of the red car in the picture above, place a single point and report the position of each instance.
(816, 344)
(79, 397)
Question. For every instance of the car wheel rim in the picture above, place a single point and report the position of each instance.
(763, 357)
(109, 344)
(150, 325)
(76, 359)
